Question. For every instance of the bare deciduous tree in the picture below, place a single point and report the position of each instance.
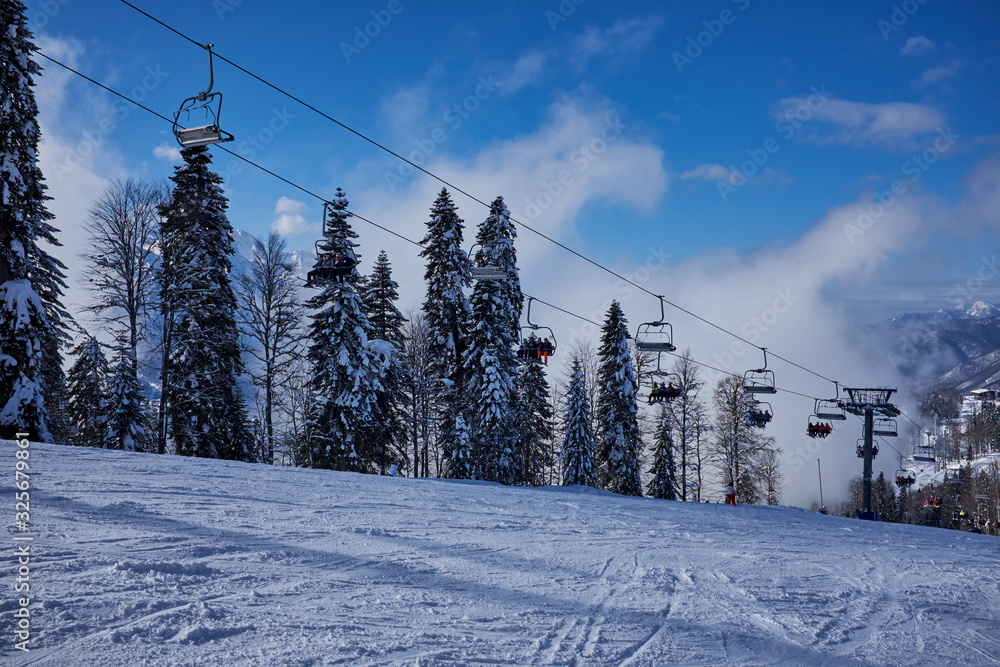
(123, 227)
(736, 446)
(271, 317)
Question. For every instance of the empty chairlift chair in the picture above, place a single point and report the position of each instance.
(760, 380)
(831, 409)
(655, 336)
(207, 104)
(489, 270)
(885, 428)
(923, 453)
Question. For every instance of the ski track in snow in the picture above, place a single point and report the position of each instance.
(139, 559)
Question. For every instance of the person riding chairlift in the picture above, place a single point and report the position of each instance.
(545, 348)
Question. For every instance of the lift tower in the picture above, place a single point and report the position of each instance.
(866, 403)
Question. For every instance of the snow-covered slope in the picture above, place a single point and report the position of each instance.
(146, 560)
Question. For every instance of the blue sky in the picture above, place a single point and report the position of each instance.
(727, 154)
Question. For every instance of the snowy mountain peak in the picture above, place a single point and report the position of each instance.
(981, 309)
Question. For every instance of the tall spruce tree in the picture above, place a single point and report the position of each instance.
(578, 442)
(491, 362)
(663, 484)
(618, 425)
(32, 318)
(447, 313)
(346, 371)
(203, 404)
(537, 428)
(87, 384)
(385, 442)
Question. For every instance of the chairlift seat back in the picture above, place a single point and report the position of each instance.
(488, 273)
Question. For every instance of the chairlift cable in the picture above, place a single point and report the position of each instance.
(364, 219)
(469, 195)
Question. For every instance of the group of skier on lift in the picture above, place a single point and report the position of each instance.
(754, 417)
(330, 266)
(663, 392)
(818, 430)
(534, 348)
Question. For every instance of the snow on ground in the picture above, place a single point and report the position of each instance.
(146, 560)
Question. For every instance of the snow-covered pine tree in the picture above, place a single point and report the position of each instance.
(663, 484)
(447, 313)
(346, 370)
(385, 441)
(203, 403)
(618, 425)
(128, 426)
(32, 318)
(491, 362)
(537, 428)
(87, 383)
(460, 463)
(578, 443)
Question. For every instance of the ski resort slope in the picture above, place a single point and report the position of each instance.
(140, 559)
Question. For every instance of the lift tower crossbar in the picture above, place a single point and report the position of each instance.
(867, 402)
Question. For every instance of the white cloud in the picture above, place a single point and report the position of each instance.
(916, 45)
(672, 117)
(836, 121)
(711, 172)
(940, 73)
(168, 152)
(288, 205)
(624, 38)
(289, 220)
(523, 72)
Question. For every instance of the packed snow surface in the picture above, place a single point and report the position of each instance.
(140, 559)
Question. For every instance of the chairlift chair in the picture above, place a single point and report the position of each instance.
(756, 411)
(817, 430)
(325, 270)
(760, 380)
(534, 328)
(861, 449)
(211, 105)
(655, 336)
(830, 409)
(488, 272)
(904, 477)
(923, 453)
(673, 379)
(885, 427)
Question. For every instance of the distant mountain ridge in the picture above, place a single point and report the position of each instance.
(956, 348)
